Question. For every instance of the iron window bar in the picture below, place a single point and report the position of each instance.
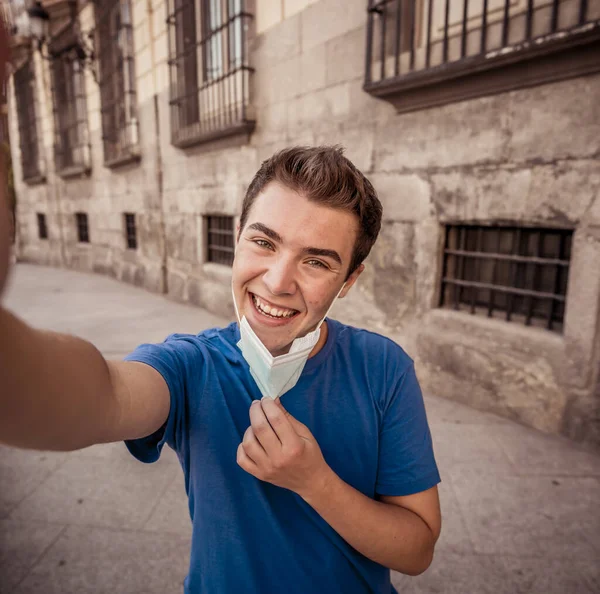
(83, 232)
(71, 135)
(210, 75)
(220, 239)
(26, 104)
(414, 43)
(130, 231)
(507, 271)
(116, 78)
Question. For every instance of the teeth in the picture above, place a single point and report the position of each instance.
(272, 311)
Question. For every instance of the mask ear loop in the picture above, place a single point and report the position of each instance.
(329, 308)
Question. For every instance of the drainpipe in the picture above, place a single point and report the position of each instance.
(159, 160)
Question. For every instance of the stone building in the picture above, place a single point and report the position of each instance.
(138, 124)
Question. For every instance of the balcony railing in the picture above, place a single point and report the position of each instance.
(422, 53)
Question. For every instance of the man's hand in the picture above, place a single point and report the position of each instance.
(281, 450)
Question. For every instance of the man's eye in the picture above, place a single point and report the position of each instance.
(262, 243)
(316, 264)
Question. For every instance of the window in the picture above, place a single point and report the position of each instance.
(71, 143)
(130, 231)
(83, 234)
(42, 228)
(117, 81)
(209, 70)
(519, 274)
(429, 52)
(25, 95)
(219, 239)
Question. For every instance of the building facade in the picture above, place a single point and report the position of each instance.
(138, 124)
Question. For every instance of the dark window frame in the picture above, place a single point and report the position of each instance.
(69, 105)
(83, 229)
(129, 219)
(509, 271)
(219, 234)
(118, 98)
(24, 81)
(42, 225)
(209, 71)
(500, 49)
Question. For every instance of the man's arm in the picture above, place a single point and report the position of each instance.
(397, 532)
(57, 392)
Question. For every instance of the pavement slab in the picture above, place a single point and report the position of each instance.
(520, 508)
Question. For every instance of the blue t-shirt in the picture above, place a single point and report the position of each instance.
(360, 398)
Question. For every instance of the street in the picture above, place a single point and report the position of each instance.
(520, 508)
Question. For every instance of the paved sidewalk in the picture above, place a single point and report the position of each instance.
(520, 508)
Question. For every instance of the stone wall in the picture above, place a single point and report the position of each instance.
(528, 156)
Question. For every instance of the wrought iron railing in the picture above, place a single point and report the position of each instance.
(410, 41)
(26, 106)
(520, 274)
(209, 69)
(117, 81)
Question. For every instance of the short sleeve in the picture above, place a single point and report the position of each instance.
(406, 459)
(169, 359)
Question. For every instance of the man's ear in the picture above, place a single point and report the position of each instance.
(351, 280)
(237, 233)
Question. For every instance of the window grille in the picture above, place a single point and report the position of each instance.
(516, 273)
(25, 95)
(209, 69)
(71, 142)
(42, 228)
(219, 239)
(130, 231)
(83, 234)
(413, 42)
(117, 81)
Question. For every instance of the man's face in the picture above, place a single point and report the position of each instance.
(291, 261)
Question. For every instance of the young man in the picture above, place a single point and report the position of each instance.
(304, 442)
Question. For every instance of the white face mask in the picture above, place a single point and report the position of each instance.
(276, 375)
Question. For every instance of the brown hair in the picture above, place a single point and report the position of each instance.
(323, 174)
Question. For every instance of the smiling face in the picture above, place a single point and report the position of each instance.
(291, 260)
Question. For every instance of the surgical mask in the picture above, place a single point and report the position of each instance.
(274, 376)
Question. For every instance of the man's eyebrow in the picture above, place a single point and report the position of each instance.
(323, 252)
(311, 251)
(267, 231)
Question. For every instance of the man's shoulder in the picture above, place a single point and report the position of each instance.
(210, 343)
(371, 344)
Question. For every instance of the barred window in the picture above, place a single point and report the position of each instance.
(130, 231)
(25, 95)
(209, 69)
(219, 239)
(519, 274)
(71, 142)
(117, 81)
(429, 52)
(42, 228)
(83, 233)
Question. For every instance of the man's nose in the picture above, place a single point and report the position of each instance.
(280, 278)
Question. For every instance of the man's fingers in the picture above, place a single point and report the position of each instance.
(283, 423)
(300, 428)
(265, 433)
(252, 447)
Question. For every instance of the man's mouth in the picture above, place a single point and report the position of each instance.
(275, 312)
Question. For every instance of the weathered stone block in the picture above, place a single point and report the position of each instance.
(561, 193)
(328, 19)
(313, 66)
(345, 57)
(280, 42)
(469, 132)
(404, 197)
(555, 121)
(481, 194)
